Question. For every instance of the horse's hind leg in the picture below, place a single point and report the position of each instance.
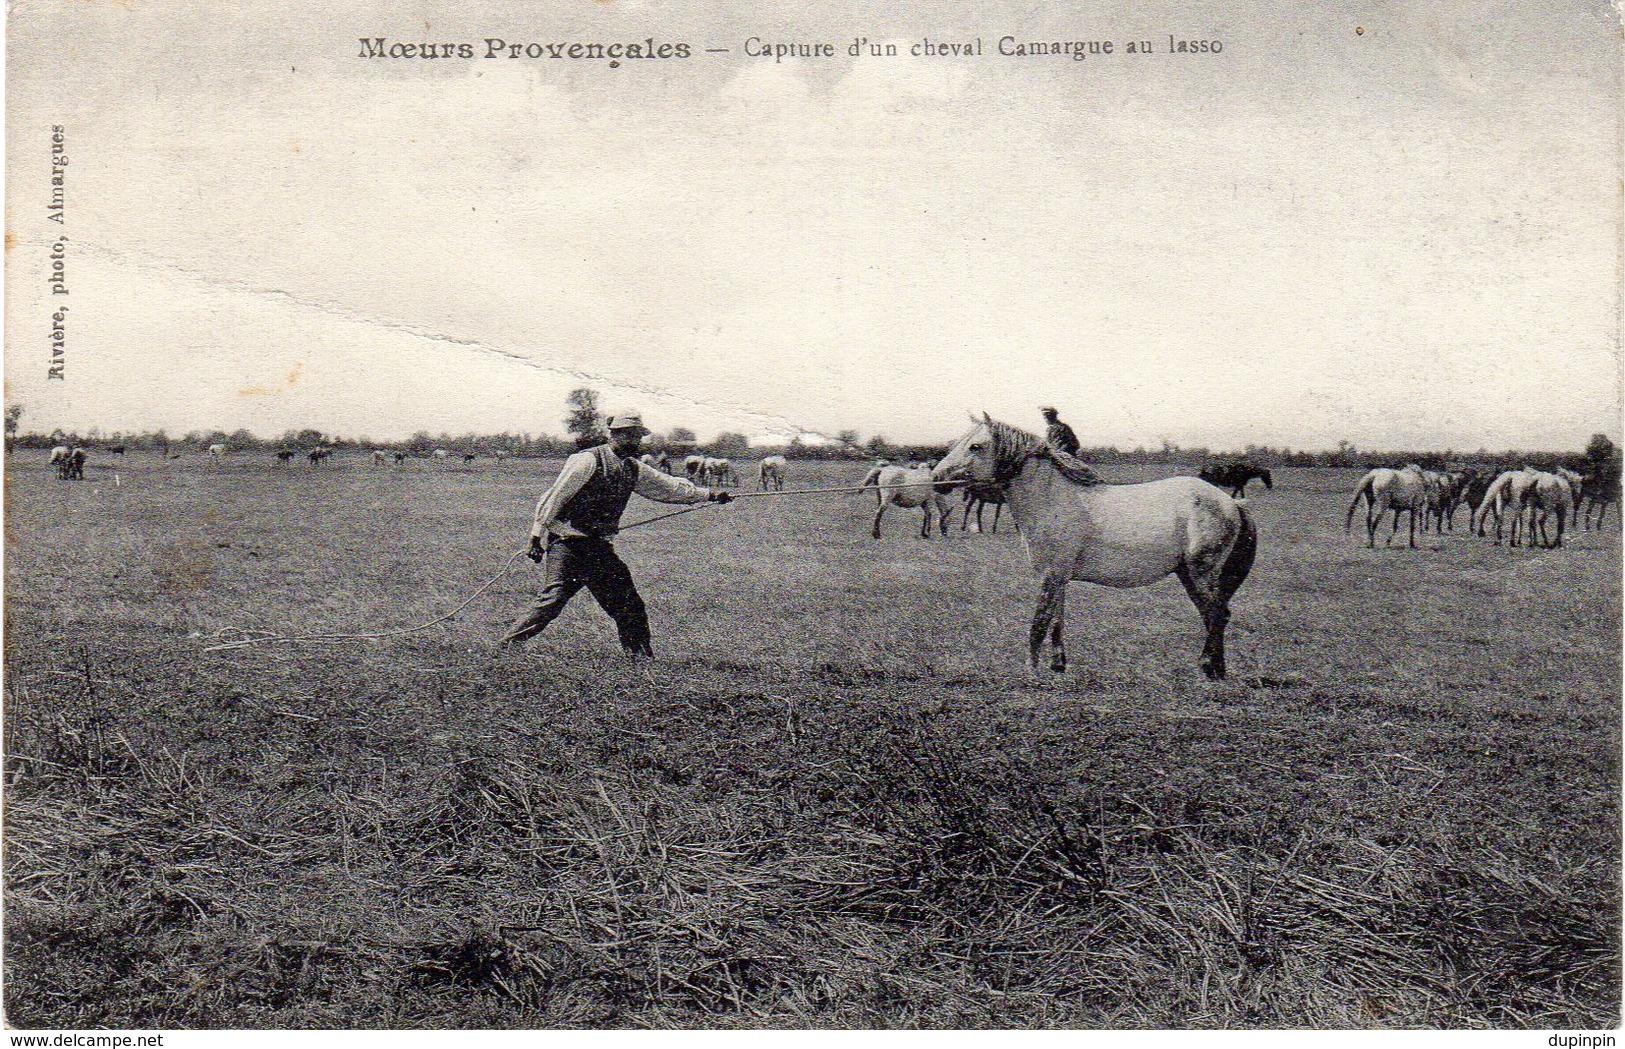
(1215, 612)
(1057, 632)
(875, 531)
(998, 508)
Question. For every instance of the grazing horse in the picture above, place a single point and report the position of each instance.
(694, 467)
(720, 473)
(62, 460)
(76, 463)
(379, 458)
(909, 487)
(1383, 489)
(1506, 491)
(1077, 526)
(400, 457)
(319, 453)
(285, 455)
(469, 457)
(1473, 495)
(1452, 484)
(440, 453)
(771, 472)
(1576, 482)
(1547, 493)
(1233, 477)
(217, 450)
(116, 449)
(977, 500)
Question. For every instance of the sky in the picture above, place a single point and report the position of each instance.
(1396, 224)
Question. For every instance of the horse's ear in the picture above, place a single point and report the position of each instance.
(987, 419)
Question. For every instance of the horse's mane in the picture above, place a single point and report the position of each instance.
(1012, 447)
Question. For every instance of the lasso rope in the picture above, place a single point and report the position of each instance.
(280, 639)
(274, 639)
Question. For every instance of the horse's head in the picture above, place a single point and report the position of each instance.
(973, 458)
(1269, 482)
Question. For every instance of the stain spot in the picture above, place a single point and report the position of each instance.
(11, 240)
(1359, 30)
(287, 384)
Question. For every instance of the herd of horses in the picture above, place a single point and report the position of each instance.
(1077, 526)
(1535, 505)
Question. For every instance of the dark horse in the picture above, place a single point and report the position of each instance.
(1233, 477)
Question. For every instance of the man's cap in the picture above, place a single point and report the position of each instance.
(627, 421)
(1047, 410)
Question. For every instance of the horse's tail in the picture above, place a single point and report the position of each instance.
(1364, 490)
(1239, 561)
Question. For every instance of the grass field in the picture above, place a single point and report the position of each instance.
(836, 799)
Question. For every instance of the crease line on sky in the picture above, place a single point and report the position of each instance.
(777, 425)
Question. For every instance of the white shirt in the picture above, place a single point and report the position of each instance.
(578, 470)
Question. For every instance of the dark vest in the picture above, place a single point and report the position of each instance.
(597, 508)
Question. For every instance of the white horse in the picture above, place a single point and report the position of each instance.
(379, 457)
(1504, 493)
(771, 472)
(1576, 482)
(1546, 494)
(694, 467)
(217, 450)
(909, 488)
(1404, 490)
(720, 473)
(1076, 526)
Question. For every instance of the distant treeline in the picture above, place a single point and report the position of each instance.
(736, 446)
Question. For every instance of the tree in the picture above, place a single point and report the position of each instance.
(1599, 451)
(876, 446)
(585, 423)
(14, 413)
(681, 435)
(728, 444)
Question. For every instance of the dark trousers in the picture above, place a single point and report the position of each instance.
(573, 563)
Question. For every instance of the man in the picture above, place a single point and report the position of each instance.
(1060, 435)
(578, 517)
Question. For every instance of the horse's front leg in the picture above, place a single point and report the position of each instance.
(925, 521)
(875, 531)
(1051, 595)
